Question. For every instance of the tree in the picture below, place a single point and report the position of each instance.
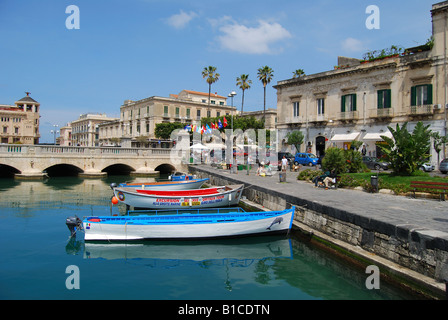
(211, 76)
(243, 83)
(407, 152)
(334, 160)
(439, 141)
(265, 75)
(298, 73)
(163, 130)
(295, 138)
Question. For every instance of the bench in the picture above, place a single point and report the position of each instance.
(431, 187)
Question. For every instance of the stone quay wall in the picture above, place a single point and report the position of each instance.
(405, 246)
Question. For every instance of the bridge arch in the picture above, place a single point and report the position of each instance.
(63, 170)
(7, 171)
(118, 169)
(165, 168)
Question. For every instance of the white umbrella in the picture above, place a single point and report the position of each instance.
(199, 146)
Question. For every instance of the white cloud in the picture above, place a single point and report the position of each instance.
(353, 45)
(180, 20)
(252, 40)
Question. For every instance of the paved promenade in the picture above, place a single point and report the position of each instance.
(431, 215)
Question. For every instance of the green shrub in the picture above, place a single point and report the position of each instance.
(334, 160)
(309, 174)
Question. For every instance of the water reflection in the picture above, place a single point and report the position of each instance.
(237, 250)
(252, 268)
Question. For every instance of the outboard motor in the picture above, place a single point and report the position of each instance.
(113, 185)
(73, 223)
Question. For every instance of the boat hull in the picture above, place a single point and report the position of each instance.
(167, 185)
(139, 199)
(187, 226)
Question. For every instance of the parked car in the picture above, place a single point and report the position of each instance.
(443, 167)
(427, 167)
(374, 163)
(306, 159)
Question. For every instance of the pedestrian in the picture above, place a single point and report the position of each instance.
(331, 179)
(284, 164)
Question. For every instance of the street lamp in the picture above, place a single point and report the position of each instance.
(231, 95)
(54, 132)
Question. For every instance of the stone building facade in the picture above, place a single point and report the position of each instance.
(139, 118)
(20, 123)
(360, 99)
(85, 130)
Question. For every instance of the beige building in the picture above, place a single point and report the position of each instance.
(85, 130)
(138, 119)
(270, 120)
(65, 136)
(360, 99)
(20, 123)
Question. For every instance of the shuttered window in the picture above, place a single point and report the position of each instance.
(348, 103)
(421, 95)
(384, 99)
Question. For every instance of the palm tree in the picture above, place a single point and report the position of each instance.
(265, 75)
(243, 83)
(298, 73)
(212, 76)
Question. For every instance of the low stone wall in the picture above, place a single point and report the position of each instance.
(418, 250)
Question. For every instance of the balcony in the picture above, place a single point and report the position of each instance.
(348, 116)
(321, 118)
(382, 113)
(426, 109)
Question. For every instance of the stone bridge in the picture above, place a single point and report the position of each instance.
(38, 161)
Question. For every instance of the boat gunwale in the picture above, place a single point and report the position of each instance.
(188, 218)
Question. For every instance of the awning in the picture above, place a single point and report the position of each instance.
(345, 137)
(377, 136)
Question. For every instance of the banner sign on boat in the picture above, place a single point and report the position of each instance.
(187, 202)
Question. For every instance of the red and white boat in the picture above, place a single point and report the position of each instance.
(171, 199)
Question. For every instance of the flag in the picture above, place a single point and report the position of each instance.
(225, 122)
(213, 126)
(216, 126)
(203, 129)
(219, 124)
(208, 129)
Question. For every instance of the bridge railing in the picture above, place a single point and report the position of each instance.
(52, 149)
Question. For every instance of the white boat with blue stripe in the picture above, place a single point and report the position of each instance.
(187, 224)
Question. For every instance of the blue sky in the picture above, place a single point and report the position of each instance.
(134, 49)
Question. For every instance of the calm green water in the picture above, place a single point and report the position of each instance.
(35, 251)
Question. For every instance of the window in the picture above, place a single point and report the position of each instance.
(165, 110)
(218, 114)
(295, 109)
(348, 103)
(421, 95)
(384, 99)
(188, 113)
(177, 112)
(209, 113)
(198, 114)
(321, 106)
(213, 102)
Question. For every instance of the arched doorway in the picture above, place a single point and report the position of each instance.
(320, 146)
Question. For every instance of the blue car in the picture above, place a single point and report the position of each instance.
(306, 159)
